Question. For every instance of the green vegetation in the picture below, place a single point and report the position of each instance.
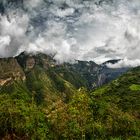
(45, 106)
(135, 87)
(21, 119)
(71, 76)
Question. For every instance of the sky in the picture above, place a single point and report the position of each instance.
(97, 30)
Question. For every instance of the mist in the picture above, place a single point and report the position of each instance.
(97, 30)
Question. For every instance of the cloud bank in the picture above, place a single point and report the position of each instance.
(97, 30)
(124, 63)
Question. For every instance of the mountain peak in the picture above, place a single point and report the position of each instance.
(28, 60)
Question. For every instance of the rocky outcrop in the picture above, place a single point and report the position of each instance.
(29, 61)
(10, 70)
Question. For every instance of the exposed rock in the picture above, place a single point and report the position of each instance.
(10, 70)
(30, 63)
(4, 82)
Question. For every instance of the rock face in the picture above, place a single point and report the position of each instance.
(10, 70)
(28, 61)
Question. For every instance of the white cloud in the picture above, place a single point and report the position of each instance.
(124, 63)
(62, 12)
(13, 34)
(4, 42)
(32, 3)
(75, 29)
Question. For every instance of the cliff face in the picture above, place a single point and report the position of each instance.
(10, 70)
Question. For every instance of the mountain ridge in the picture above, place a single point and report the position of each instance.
(90, 74)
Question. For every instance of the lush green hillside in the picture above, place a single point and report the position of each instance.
(124, 92)
(117, 106)
(42, 102)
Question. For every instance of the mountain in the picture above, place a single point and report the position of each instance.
(40, 74)
(40, 99)
(82, 73)
(93, 74)
(28, 88)
(109, 74)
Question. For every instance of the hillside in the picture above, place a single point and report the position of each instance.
(27, 89)
(40, 99)
(126, 88)
(118, 105)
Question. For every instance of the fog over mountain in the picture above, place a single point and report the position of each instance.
(97, 30)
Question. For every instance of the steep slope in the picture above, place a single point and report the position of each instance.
(42, 79)
(117, 106)
(27, 88)
(124, 92)
(34, 73)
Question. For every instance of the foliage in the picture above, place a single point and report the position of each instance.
(135, 87)
(72, 120)
(116, 107)
(47, 105)
(21, 119)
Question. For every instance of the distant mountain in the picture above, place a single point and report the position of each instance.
(93, 74)
(109, 74)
